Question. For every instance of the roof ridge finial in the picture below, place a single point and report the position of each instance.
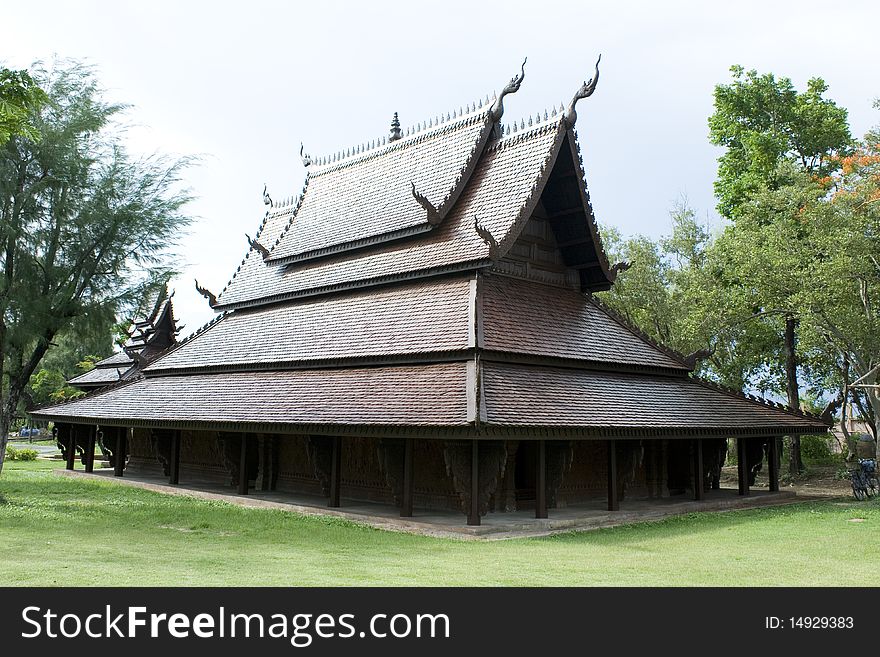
(306, 158)
(512, 87)
(395, 133)
(586, 90)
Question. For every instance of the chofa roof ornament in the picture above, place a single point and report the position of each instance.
(210, 296)
(305, 157)
(267, 200)
(512, 87)
(586, 90)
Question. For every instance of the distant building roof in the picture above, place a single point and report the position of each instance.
(151, 332)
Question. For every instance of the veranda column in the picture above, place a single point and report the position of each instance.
(742, 466)
(335, 472)
(541, 481)
(243, 466)
(613, 501)
(474, 511)
(773, 464)
(90, 448)
(699, 493)
(406, 502)
(121, 449)
(71, 446)
(174, 464)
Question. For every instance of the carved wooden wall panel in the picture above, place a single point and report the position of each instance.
(141, 458)
(201, 458)
(492, 462)
(296, 472)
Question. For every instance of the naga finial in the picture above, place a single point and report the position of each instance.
(257, 246)
(305, 157)
(619, 267)
(434, 216)
(586, 90)
(488, 238)
(395, 132)
(694, 358)
(267, 200)
(210, 296)
(512, 87)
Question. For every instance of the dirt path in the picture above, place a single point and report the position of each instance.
(819, 481)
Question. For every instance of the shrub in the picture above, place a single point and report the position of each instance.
(816, 449)
(13, 454)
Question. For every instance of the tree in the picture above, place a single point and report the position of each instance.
(653, 292)
(86, 228)
(770, 132)
(761, 121)
(20, 97)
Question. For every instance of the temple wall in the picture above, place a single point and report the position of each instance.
(372, 468)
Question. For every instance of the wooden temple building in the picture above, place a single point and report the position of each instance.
(418, 328)
(152, 331)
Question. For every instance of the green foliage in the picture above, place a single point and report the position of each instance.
(49, 387)
(815, 449)
(13, 454)
(85, 228)
(20, 97)
(653, 292)
(762, 122)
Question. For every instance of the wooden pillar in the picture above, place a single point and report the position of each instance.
(613, 501)
(90, 449)
(541, 480)
(267, 467)
(335, 472)
(474, 510)
(406, 502)
(773, 464)
(174, 458)
(243, 466)
(742, 466)
(71, 446)
(121, 449)
(699, 493)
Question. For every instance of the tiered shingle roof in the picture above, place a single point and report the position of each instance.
(376, 311)
(150, 333)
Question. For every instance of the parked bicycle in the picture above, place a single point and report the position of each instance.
(864, 479)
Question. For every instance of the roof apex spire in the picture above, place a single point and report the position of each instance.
(395, 133)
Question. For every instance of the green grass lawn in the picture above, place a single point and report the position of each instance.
(60, 531)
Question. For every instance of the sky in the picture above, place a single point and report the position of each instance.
(243, 84)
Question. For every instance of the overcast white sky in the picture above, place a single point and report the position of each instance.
(243, 83)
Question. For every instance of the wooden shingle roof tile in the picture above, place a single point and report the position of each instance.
(351, 396)
(507, 179)
(370, 195)
(526, 317)
(421, 317)
(522, 395)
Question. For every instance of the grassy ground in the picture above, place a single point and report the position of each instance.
(61, 531)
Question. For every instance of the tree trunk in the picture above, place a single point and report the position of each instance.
(7, 411)
(795, 464)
